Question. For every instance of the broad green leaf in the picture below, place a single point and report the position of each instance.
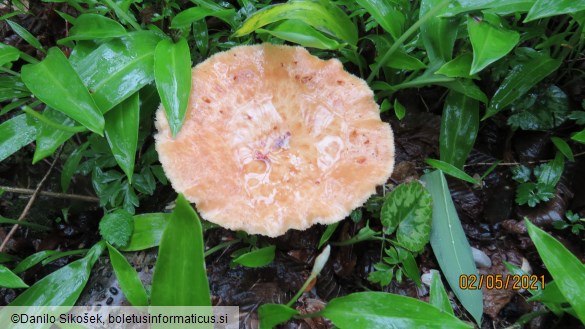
(272, 314)
(49, 138)
(400, 60)
(118, 68)
(551, 172)
(116, 227)
(459, 67)
(579, 137)
(450, 244)
(70, 166)
(122, 133)
(54, 82)
(92, 27)
(408, 209)
(4, 257)
(520, 80)
(299, 32)
(546, 8)
(14, 134)
(33, 260)
(62, 287)
(451, 170)
(437, 295)
(172, 73)
(8, 54)
(180, 278)
(566, 269)
(10, 280)
(386, 15)
(383, 310)
(191, 15)
(320, 14)
(459, 127)
(60, 254)
(256, 258)
(327, 234)
(128, 279)
(438, 33)
(147, 232)
(25, 35)
(563, 147)
(490, 40)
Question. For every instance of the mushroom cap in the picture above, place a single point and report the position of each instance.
(274, 139)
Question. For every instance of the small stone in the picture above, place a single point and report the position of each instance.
(480, 258)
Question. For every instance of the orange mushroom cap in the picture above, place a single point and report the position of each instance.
(274, 139)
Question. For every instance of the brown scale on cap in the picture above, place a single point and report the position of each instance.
(276, 139)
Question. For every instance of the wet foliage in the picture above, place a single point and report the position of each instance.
(487, 105)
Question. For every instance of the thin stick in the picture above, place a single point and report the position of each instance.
(51, 194)
(30, 202)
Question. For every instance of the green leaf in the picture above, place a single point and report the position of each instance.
(566, 269)
(409, 266)
(544, 8)
(25, 35)
(256, 258)
(33, 260)
(459, 67)
(92, 27)
(386, 15)
(299, 32)
(383, 310)
(272, 314)
(399, 109)
(490, 40)
(520, 80)
(450, 244)
(8, 54)
(187, 17)
(128, 278)
(579, 137)
(49, 138)
(438, 34)
(118, 68)
(408, 208)
(544, 108)
(70, 166)
(10, 280)
(147, 232)
(320, 14)
(491, 6)
(327, 234)
(15, 134)
(180, 278)
(54, 82)
(172, 73)
(4, 220)
(451, 170)
(438, 296)
(122, 133)
(466, 87)
(459, 127)
(116, 227)
(551, 172)
(62, 287)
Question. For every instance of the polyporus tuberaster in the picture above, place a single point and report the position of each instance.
(276, 138)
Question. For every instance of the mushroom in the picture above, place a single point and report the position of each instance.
(274, 139)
